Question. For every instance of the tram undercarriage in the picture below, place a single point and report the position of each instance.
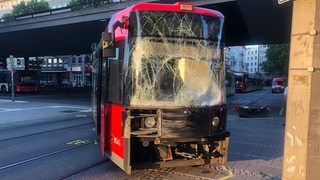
(148, 154)
(170, 138)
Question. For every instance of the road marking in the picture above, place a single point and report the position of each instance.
(45, 107)
(77, 142)
(281, 111)
(5, 101)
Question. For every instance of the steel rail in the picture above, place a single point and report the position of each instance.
(45, 131)
(94, 141)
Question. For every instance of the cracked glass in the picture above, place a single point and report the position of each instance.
(175, 60)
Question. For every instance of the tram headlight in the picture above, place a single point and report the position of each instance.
(145, 143)
(215, 121)
(150, 122)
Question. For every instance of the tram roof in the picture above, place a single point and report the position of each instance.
(177, 7)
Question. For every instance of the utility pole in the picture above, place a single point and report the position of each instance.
(12, 79)
(301, 158)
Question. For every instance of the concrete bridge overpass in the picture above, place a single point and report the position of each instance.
(72, 32)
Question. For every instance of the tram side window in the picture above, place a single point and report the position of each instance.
(2, 78)
(115, 78)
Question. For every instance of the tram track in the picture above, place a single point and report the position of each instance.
(70, 176)
(46, 139)
(59, 160)
(48, 154)
(20, 131)
(45, 131)
(58, 141)
(58, 164)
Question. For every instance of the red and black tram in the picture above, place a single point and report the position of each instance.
(23, 80)
(159, 87)
(244, 83)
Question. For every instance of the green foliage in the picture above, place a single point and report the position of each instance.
(20, 9)
(36, 6)
(32, 6)
(77, 4)
(8, 17)
(277, 60)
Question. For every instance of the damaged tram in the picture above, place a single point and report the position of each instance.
(159, 87)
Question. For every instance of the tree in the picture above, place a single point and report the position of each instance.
(37, 6)
(32, 6)
(8, 17)
(277, 60)
(23, 8)
(77, 4)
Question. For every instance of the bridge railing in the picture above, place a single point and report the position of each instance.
(94, 3)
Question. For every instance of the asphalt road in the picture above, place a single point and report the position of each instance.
(53, 137)
(256, 143)
(46, 136)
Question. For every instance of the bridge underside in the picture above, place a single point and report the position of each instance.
(249, 22)
(246, 22)
(69, 39)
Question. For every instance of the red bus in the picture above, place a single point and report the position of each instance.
(159, 89)
(244, 83)
(24, 80)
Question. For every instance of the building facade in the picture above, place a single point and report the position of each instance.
(251, 59)
(235, 58)
(67, 71)
(254, 56)
(262, 55)
(246, 58)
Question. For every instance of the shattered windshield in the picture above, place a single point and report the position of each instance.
(175, 60)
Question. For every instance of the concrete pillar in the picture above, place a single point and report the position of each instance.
(302, 134)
